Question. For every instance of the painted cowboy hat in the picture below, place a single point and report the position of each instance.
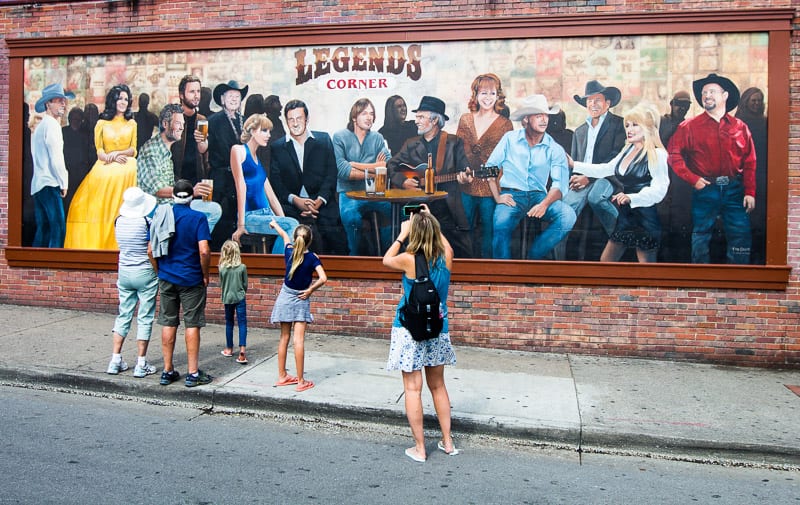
(136, 203)
(54, 90)
(534, 104)
(223, 88)
(725, 83)
(681, 97)
(594, 87)
(432, 104)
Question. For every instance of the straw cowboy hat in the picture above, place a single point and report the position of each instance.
(52, 91)
(725, 83)
(136, 203)
(534, 104)
(594, 87)
(223, 88)
(432, 104)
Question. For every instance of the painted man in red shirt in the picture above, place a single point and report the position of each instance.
(714, 153)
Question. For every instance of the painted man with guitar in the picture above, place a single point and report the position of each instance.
(406, 170)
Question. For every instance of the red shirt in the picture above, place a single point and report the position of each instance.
(703, 147)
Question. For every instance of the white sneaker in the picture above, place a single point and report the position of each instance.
(116, 367)
(142, 371)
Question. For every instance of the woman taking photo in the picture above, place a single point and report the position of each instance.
(641, 171)
(256, 202)
(481, 130)
(90, 222)
(424, 237)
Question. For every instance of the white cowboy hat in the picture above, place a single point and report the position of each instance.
(534, 104)
(136, 203)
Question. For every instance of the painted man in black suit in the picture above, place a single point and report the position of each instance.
(597, 140)
(303, 174)
(224, 131)
(450, 159)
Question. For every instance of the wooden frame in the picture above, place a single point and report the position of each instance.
(775, 22)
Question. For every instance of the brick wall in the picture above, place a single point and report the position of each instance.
(721, 326)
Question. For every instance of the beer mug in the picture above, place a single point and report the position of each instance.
(210, 196)
(380, 181)
(202, 127)
(369, 182)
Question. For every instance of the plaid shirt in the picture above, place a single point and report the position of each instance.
(154, 167)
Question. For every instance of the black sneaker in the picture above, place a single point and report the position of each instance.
(168, 378)
(198, 379)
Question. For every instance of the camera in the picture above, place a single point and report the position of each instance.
(411, 208)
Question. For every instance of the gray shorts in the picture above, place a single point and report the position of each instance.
(173, 297)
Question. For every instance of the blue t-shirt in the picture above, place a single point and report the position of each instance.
(182, 266)
(303, 275)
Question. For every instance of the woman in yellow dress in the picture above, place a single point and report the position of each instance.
(90, 222)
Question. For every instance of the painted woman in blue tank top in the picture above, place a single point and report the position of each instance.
(256, 201)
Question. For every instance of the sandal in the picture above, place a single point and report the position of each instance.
(242, 359)
(226, 353)
(304, 386)
(287, 380)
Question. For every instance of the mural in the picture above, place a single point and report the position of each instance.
(654, 71)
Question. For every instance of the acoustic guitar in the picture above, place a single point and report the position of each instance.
(418, 173)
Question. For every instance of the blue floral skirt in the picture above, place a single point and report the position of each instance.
(407, 354)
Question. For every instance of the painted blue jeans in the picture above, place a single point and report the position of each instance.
(485, 206)
(728, 203)
(559, 216)
(352, 211)
(257, 221)
(51, 225)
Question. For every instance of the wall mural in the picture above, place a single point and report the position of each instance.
(620, 206)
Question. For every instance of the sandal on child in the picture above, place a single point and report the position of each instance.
(287, 380)
(305, 385)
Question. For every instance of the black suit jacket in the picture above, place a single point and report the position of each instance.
(318, 174)
(610, 140)
(221, 138)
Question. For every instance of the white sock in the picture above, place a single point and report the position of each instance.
(116, 358)
(141, 361)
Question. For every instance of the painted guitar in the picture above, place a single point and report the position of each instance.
(418, 173)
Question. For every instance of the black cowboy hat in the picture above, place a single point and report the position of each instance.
(594, 87)
(223, 88)
(725, 83)
(432, 104)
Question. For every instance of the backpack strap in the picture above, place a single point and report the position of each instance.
(421, 267)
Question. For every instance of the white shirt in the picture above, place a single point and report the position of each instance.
(591, 137)
(47, 148)
(300, 150)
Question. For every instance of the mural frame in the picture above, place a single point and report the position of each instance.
(775, 22)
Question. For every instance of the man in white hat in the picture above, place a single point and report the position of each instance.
(715, 154)
(50, 178)
(530, 158)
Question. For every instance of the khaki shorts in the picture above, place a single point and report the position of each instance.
(173, 297)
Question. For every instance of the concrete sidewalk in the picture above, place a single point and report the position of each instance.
(661, 408)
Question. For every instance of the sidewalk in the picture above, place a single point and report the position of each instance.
(595, 404)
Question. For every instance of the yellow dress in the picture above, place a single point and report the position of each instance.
(95, 206)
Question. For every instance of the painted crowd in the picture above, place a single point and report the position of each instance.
(638, 187)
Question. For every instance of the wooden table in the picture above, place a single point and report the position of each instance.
(398, 198)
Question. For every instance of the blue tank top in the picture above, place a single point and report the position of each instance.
(254, 177)
(440, 275)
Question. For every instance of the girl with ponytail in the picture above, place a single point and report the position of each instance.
(293, 306)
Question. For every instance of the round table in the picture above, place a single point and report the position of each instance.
(397, 198)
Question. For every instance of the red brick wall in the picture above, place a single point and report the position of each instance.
(721, 326)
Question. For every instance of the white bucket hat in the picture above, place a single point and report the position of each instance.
(136, 203)
(534, 104)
